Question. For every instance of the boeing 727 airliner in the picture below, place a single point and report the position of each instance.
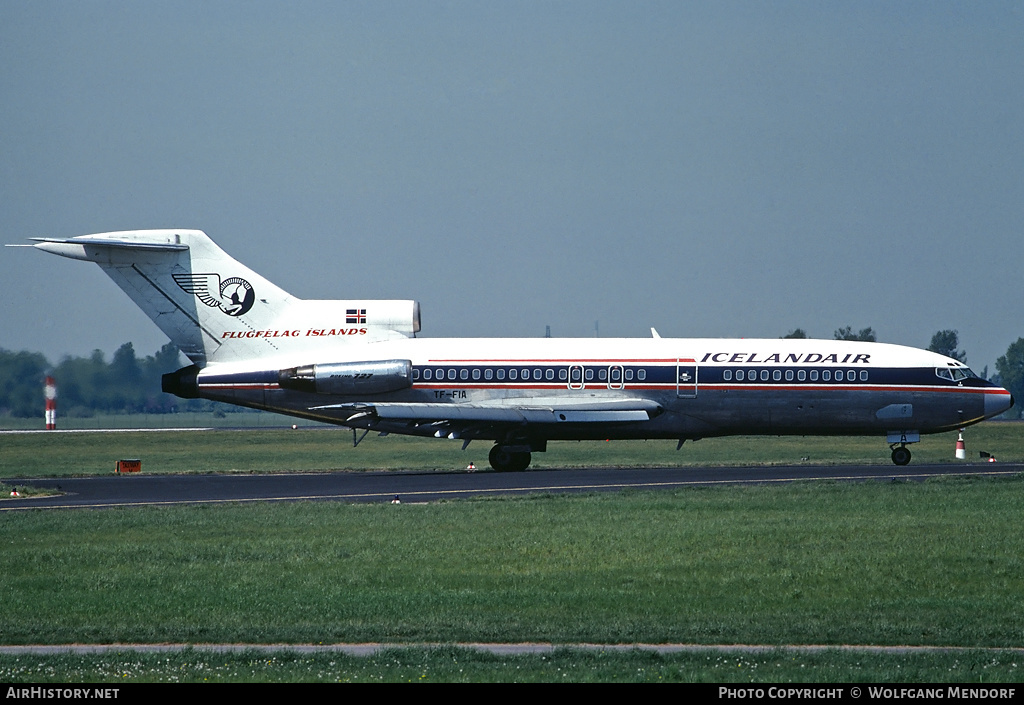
(359, 364)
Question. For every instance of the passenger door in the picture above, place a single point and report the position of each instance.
(686, 378)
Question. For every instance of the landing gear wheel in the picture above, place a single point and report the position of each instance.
(504, 460)
(901, 455)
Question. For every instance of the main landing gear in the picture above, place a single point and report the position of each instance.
(900, 454)
(506, 459)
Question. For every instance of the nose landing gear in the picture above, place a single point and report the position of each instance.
(898, 441)
(900, 454)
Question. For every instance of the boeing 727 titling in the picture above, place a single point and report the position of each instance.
(359, 364)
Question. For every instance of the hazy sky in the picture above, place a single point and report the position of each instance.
(707, 168)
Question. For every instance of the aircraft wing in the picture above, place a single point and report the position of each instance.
(534, 410)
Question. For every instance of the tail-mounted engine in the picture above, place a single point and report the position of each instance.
(349, 378)
(182, 383)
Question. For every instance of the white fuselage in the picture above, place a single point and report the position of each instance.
(357, 363)
(700, 387)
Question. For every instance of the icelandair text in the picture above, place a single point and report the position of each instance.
(753, 358)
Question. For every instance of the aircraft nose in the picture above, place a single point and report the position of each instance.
(997, 403)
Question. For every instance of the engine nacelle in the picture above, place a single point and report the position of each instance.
(182, 383)
(349, 378)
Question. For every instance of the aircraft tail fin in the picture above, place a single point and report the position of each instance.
(215, 309)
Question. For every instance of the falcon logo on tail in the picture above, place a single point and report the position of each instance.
(234, 296)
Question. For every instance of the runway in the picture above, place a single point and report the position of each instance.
(155, 490)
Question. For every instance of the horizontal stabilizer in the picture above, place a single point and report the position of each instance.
(75, 247)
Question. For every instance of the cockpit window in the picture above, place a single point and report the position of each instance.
(954, 374)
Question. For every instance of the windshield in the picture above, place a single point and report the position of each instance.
(954, 374)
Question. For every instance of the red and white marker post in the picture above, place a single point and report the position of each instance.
(50, 390)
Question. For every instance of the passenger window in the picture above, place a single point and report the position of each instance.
(641, 375)
(629, 375)
(814, 375)
(451, 374)
(537, 374)
(764, 375)
(476, 373)
(501, 373)
(488, 373)
(513, 373)
(826, 375)
(463, 373)
(740, 375)
(549, 374)
(526, 373)
(727, 375)
(789, 375)
(427, 374)
(589, 375)
(415, 374)
(777, 375)
(439, 374)
(801, 375)
(863, 375)
(563, 375)
(602, 375)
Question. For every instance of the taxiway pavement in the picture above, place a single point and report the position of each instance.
(134, 490)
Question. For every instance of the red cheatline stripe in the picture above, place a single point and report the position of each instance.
(594, 361)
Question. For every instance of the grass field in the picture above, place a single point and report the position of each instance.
(936, 563)
(455, 665)
(234, 419)
(327, 448)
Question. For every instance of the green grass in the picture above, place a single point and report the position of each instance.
(234, 419)
(449, 664)
(25, 491)
(277, 450)
(935, 563)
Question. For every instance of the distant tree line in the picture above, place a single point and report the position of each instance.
(90, 385)
(865, 334)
